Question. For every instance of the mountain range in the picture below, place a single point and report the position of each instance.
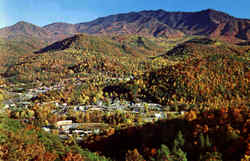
(158, 23)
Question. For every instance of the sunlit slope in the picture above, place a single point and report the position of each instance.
(84, 54)
(10, 50)
(209, 76)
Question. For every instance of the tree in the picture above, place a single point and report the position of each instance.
(134, 156)
(211, 156)
(164, 154)
(178, 142)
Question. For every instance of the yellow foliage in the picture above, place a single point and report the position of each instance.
(190, 116)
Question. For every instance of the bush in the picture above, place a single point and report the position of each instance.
(211, 156)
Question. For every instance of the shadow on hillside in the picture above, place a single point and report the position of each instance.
(59, 45)
(153, 135)
(150, 135)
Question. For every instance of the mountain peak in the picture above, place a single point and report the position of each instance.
(215, 13)
(208, 22)
(23, 27)
(209, 10)
(23, 23)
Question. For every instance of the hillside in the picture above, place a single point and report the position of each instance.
(21, 39)
(25, 30)
(204, 47)
(61, 28)
(149, 85)
(171, 24)
(194, 98)
(159, 23)
(202, 73)
(109, 45)
(86, 54)
(10, 50)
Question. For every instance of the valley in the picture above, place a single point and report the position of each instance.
(149, 85)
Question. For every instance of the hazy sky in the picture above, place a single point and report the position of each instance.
(43, 12)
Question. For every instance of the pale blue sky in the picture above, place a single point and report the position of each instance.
(43, 12)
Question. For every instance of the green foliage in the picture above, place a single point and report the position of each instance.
(207, 79)
(164, 153)
(88, 156)
(10, 124)
(2, 96)
(202, 140)
(208, 142)
(176, 154)
(134, 156)
(180, 139)
(51, 142)
(211, 156)
(26, 142)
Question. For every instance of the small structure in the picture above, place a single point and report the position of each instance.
(64, 123)
(95, 109)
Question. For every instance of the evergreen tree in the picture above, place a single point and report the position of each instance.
(202, 140)
(208, 143)
(164, 154)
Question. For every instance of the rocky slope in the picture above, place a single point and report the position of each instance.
(157, 23)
